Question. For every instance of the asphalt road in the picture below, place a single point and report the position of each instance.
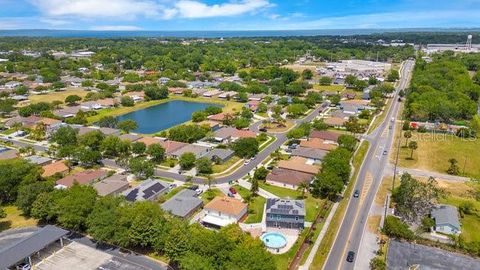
(369, 178)
(281, 138)
(21, 144)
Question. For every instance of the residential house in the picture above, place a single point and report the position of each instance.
(288, 178)
(90, 106)
(172, 146)
(228, 94)
(107, 102)
(220, 117)
(147, 190)
(218, 155)
(446, 219)
(12, 84)
(54, 168)
(176, 90)
(212, 124)
(256, 97)
(151, 140)
(163, 80)
(229, 134)
(112, 185)
(313, 155)
(318, 143)
(298, 164)
(212, 93)
(252, 105)
(335, 122)
(39, 160)
(109, 131)
(223, 211)
(289, 214)
(183, 204)
(130, 137)
(7, 153)
(67, 112)
(82, 178)
(137, 96)
(72, 81)
(327, 136)
(198, 150)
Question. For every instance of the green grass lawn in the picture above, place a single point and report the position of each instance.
(208, 195)
(434, 151)
(15, 219)
(470, 223)
(219, 168)
(173, 192)
(266, 143)
(333, 87)
(279, 191)
(255, 207)
(168, 162)
(60, 95)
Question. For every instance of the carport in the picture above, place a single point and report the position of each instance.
(24, 249)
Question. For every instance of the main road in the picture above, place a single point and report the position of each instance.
(370, 175)
(281, 138)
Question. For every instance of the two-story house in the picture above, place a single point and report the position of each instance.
(282, 213)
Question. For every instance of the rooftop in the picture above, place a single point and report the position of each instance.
(226, 205)
(183, 203)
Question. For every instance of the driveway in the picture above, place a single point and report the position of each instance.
(402, 255)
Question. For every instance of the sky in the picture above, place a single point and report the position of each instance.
(202, 15)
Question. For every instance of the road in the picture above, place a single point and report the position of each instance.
(21, 144)
(427, 174)
(369, 178)
(281, 138)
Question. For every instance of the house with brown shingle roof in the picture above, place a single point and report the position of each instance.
(82, 178)
(219, 117)
(335, 122)
(325, 135)
(54, 168)
(150, 140)
(317, 143)
(172, 146)
(298, 164)
(223, 211)
(287, 178)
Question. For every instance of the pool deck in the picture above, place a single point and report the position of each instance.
(290, 234)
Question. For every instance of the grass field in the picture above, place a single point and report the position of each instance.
(15, 219)
(434, 151)
(228, 106)
(274, 128)
(60, 96)
(219, 168)
(208, 195)
(333, 87)
(329, 237)
(255, 208)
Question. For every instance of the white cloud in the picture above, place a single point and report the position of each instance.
(123, 9)
(54, 22)
(197, 9)
(116, 28)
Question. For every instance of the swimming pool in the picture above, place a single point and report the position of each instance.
(274, 240)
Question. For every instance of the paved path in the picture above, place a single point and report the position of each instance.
(426, 174)
(314, 249)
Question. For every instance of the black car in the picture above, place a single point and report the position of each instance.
(356, 194)
(194, 187)
(350, 256)
(263, 130)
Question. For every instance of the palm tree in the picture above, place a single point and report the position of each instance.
(413, 146)
(407, 134)
(254, 186)
(209, 181)
(303, 187)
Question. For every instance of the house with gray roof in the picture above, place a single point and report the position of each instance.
(218, 155)
(39, 160)
(282, 213)
(147, 190)
(312, 154)
(198, 150)
(446, 219)
(183, 204)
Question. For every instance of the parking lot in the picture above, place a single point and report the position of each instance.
(404, 255)
(81, 257)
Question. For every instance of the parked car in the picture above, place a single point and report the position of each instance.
(173, 185)
(232, 190)
(247, 161)
(24, 266)
(356, 194)
(193, 187)
(385, 152)
(229, 194)
(350, 256)
(198, 192)
(263, 129)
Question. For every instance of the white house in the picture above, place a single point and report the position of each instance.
(223, 211)
(446, 219)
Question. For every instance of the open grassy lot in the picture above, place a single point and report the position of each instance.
(329, 237)
(434, 151)
(218, 168)
(15, 219)
(255, 207)
(60, 96)
(333, 87)
(275, 128)
(228, 106)
(208, 195)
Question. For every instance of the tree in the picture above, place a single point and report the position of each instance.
(65, 135)
(127, 101)
(204, 165)
(245, 147)
(261, 173)
(412, 146)
(393, 75)
(296, 110)
(193, 261)
(187, 133)
(2, 213)
(303, 187)
(407, 134)
(415, 199)
(319, 124)
(353, 125)
(93, 139)
(72, 100)
(394, 227)
(156, 151)
(127, 125)
(453, 169)
(109, 146)
(14, 172)
(108, 121)
(327, 184)
(177, 242)
(254, 186)
(325, 80)
(350, 80)
(75, 206)
(153, 92)
(475, 123)
(187, 161)
(79, 119)
(138, 148)
(348, 142)
(241, 123)
(307, 74)
(199, 116)
(209, 180)
(88, 157)
(141, 167)
(102, 221)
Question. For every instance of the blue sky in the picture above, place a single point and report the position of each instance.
(236, 14)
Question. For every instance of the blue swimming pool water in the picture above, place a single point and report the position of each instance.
(166, 115)
(274, 240)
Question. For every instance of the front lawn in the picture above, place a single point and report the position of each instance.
(255, 207)
(15, 219)
(279, 191)
(208, 195)
(219, 168)
(333, 87)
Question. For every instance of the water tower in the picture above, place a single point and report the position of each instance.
(468, 46)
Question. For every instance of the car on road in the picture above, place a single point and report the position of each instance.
(232, 190)
(350, 256)
(385, 152)
(198, 192)
(193, 187)
(247, 161)
(23, 266)
(229, 194)
(390, 127)
(263, 130)
(173, 185)
(356, 194)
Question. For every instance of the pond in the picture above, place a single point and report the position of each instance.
(163, 116)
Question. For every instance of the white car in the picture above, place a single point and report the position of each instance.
(247, 161)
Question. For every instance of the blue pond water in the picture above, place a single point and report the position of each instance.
(274, 240)
(159, 117)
